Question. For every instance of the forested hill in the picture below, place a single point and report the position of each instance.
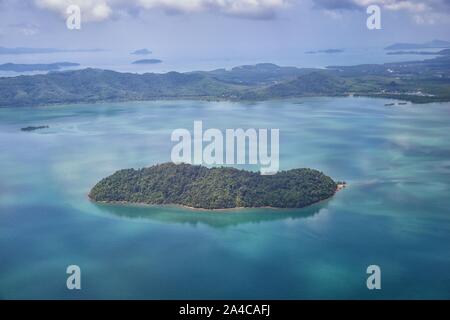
(215, 188)
(93, 85)
(416, 81)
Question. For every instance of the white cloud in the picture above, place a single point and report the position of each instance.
(333, 14)
(422, 11)
(395, 5)
(97, 10)
(92, 10)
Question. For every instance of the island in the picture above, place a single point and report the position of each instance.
(325, 51)
(33, 128)
(395, 104)
(141, 52)
(147, 61)
(427, 45)
(424, 53)
(36, 67)
(197, 186)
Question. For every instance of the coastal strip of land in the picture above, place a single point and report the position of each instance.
(415, 81)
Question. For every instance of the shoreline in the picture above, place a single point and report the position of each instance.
(222, 99)
(175, 205)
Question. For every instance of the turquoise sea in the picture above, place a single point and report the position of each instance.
(395, 212)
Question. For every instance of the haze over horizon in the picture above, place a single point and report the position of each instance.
(213, 29)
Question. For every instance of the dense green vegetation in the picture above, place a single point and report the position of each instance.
(416, 81)
(215, 188)
(93, 85)
(317, 83)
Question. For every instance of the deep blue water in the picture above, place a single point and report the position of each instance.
(395, 213)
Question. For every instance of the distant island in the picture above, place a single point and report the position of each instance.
(395, 104)
(215, 188)
(141, 52)
(36, 67)
(435, 44)
(325, 51)
(33, 128)
(147, 61)
(425, 53)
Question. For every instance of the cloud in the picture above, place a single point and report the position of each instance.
(91, 10)
(336, 4)
(98, 10)
(26, 29)
(422, 11)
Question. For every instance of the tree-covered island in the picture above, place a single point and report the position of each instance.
(214, 188)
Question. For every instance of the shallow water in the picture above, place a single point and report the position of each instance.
(395, 212)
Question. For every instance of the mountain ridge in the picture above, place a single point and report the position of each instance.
(416, 81)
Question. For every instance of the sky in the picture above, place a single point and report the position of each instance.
(221, 28)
